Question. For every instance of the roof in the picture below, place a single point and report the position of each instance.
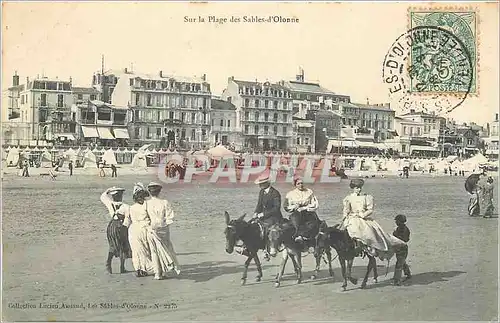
(102, 104)
(374, 106)
(306, 87)
(420, 113)
(260, 84)
(222, 105)
(154, 77)
(84, 90)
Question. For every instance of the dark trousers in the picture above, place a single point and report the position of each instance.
(113, 173)
(401, 265)
(71, 172)
(25, 172)
(304, 222)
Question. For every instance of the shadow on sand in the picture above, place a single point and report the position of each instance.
(191, 253)
(359, 272)
(208, 270)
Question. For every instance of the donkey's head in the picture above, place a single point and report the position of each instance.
(234, 231)
(275, 237)
(322, 238)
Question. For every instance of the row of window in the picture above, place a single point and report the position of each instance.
(176, 101)
(375, 124)
(159, 116)
(158, 133)
(266, 104)
(277, 93)
(256, 117)
(302, 141)
(256, 130)
(53, 86)
(222, 123)
(92, 97)
(368, 115)
(169, 85)
(412, 131)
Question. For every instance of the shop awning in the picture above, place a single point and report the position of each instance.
(343, 143)
(105, 133)
(302, 124)
(121, 133)
(90, 132)
(65, 136)
(366, 144)
(424, 148)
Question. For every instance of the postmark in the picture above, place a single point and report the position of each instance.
(428, 69)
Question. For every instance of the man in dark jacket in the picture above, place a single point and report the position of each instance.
(268, 210)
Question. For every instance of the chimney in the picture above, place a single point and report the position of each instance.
(161, 73)
(125, 70)
(204, 77)
(496, 116)
(15, 81)
(367, 101)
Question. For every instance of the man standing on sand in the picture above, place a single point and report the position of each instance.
(162, 216)
(70, 166)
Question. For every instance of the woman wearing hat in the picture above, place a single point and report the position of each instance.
(116, 232)
(138, 223)
(149, 253)
(302, 204)
(358, 210)
(162, 215)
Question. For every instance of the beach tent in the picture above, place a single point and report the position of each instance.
(139, 160)
(89, 159)
(13, 157)
(474, 162)
(109, 157)
(220, 152)
(45, 159)
(71, 155)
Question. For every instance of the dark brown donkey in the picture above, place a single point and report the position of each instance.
(346, 250)
(250, 234)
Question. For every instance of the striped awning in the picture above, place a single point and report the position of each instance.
(105, 133)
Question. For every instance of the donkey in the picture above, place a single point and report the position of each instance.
(250, 234)
(346, 250)
(282, 234)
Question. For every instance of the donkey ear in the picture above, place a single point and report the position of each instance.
(226, 217)
(242, 217)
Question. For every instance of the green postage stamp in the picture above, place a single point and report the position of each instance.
(461, 23)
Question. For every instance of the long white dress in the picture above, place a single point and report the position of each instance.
(139, 223)
(162, 215)
(360, 226)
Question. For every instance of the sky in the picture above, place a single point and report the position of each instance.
(341, 45)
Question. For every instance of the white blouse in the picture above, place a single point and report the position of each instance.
(301, 198)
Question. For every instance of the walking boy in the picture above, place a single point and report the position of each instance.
(403, 233)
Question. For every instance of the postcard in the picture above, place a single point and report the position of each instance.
(239, 161)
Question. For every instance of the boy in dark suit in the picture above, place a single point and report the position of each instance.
(403, 233)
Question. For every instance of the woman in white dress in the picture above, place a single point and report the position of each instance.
(138, 223)
(358, 210)
(149, 253)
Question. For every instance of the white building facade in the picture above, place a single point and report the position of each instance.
(263, 113)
